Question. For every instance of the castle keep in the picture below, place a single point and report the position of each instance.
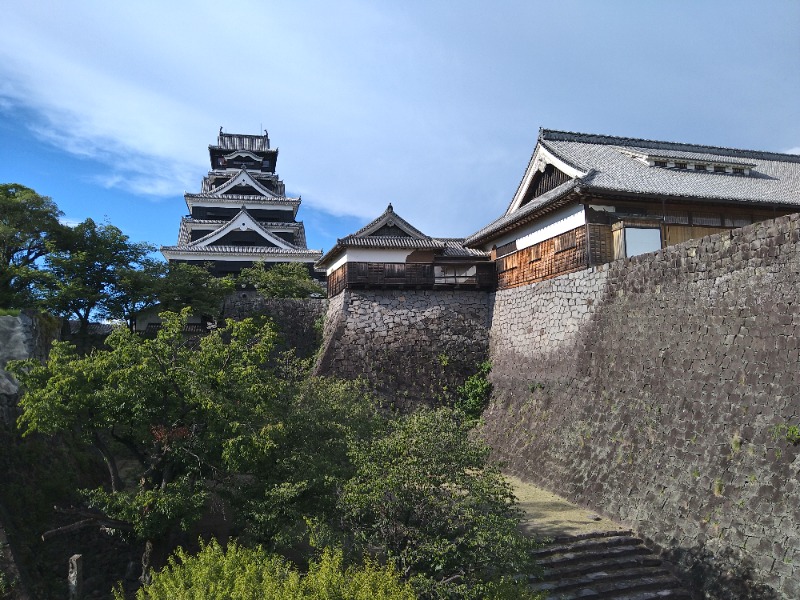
(241, 214)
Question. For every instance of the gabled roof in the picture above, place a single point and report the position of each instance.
(189, 223)
(243, 221)
(391, 219)
(243, 178)
(603, 164)
(371, 236)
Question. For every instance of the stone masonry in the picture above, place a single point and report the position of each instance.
(659, 390)
(415, 347)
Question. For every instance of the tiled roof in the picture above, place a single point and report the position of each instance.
(184, 233)
(454, 248)
(386, 241)
(610, 165)
(416, 240)
(254, 250)
(239, 198)
(774, 178)
(95, 328)
(548, 201)
(392, 218)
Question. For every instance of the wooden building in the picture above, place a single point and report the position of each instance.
(241, 214)
(391, 253)
(589, 199)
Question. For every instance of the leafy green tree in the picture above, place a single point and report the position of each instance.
(28, 223)
(217, 415)
(239, 573)
(282, 280)
(426, 496)
(184, 285)
(85, 277)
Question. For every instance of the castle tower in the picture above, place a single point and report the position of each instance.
(241, 214)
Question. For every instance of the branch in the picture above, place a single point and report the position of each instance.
(91, 518)
(67, 529)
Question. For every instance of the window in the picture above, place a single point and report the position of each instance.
(641, 241)
(660, 163)
(719, 169)
(680, 165)
(699, 167)
(738, 171)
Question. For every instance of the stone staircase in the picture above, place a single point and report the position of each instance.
(606, 564)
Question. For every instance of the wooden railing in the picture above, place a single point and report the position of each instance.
(361, 275)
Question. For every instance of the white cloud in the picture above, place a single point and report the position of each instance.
(795, 150)
(427, 106)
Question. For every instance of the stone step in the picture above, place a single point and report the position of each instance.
(574, 570)
(563, 584)
(585, 544)
(619, 589)
(614, 565)
(593, 555)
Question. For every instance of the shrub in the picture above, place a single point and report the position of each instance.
(239, 573)
(473, 396)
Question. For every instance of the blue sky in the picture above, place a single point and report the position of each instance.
(434, 106)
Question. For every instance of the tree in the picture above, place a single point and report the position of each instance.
(426, 496)
(29, 225)
(218, 415)
(239, 573)
(185, 285)
(85, 277)
(282, 280)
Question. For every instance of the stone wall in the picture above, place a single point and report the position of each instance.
(413, 346)
(25, 336)
(657, 390)
(299, 322)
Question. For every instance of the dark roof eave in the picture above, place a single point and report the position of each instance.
(549, 206)
(613, 193)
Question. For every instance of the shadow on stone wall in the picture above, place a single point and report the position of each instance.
(719, 575)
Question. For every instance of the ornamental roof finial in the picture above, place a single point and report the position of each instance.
(389, 208)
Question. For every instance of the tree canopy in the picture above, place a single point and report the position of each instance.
(29, 229)
(87, 273)
(426, 496)
(221, 415)
(282, 280)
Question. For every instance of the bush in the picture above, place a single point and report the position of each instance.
(239, 573)
(426, 497)
(473, 396)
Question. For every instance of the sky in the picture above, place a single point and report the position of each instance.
(434, 106)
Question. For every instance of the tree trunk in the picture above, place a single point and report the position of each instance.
(113, 472)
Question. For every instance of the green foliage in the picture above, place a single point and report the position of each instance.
(191, 286)
(9, 312)
(427, 498)
(28, 223)
(282, 280)
(239, 573)
(87, 275)
(474, 395)
(789, 433)
(221, 414)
